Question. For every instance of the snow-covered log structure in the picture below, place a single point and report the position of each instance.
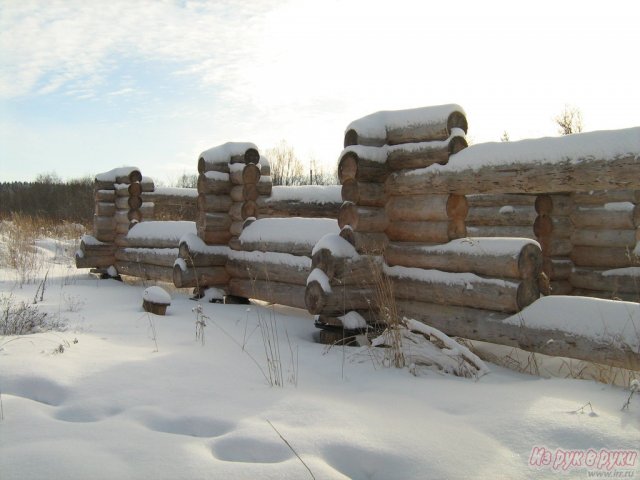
(466, 238)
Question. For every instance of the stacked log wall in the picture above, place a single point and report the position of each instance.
(604, 238)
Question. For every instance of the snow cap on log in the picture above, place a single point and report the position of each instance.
(230, 152)
(155, 300)
(132, 173)
(406, 126)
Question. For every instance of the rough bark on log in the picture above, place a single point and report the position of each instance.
(104, 196)
(145, 271)
(345, 270)
(559, 205)
(526, 264)
(293, 248)
(339, 301)
(199, 276)
(490, 294)
(603, 196)
(557, 268)
(501, 216)
(104, 223)
(500, 231)
(243, 193)
(370, 243)
(104, 235)
(268, 271)
(213, 203)
(604, 238)
(194, 258)
(250, 174)
(217, 166)
(532, 177)
(264, 187)
(364, 194)
(560, 287)
(361, 169)
(291, 208)
(105, 209)
(487, 326)
(242, 210)
(555, 247)
(427, 154)
(362, 219)
(500, 199)
(214, 238)
(605, 219)
(214, 222)
(94, 261)
(163, 257)
(427, 207)
(604, 257)
(273, 292)
(97, 249)
(426, 232)
(557, 227)
(594, 279)
(214, 186)
(103, 185)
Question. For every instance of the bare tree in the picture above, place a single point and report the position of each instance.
(286, 167)
(569, 121)
(186, 180)
(505, 137)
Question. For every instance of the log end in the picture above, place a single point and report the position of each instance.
(350, 138)
(350, 191)
(250, 174)
(314, 298)
(530, 261)
(544, 204)
(251, 156)
(457, 206)
(457, 120)
(542, 226)
(155, 308)
(347, 167)
(135, 176)
(249, 210)
(348, 215)
(457, 144)
(528, 292)
(201, 166)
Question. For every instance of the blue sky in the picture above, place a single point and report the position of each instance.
(88, 86)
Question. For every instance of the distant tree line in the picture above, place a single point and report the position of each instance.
(48, 196)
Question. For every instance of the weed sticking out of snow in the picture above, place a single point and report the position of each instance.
(20, 318)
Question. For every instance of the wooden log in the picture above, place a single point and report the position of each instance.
(104, 235)
(559, 205)
(130, 202)
(362, 219)
(97, 249)
(236, 228)
(249, 174)
(133, 176)
(135, 215)
(104, 195)
(487, 326)
(103, 185)
(339, 301)
(605, 219)
(104, 223)
(145, 271)
(508, 215)
(105, 209)
(214, 238)
(604, 257)
(427, 207)
(500, 231)
(267, 270)
(217, 185)
(370, 243)
(161, 199)
(470, 255)
(219, 166)
(606, 281)
(606, 295)
(463, 290)
(557, 227)
(243, 193)
(164, 257)
(199, 276)
(272, 292)
(603, 196)
(212, 203)
(398, 130)
(291, 208)
(500, 200)
(93, 261)
(420, 155)
(364, 194)
(251, 155)
(604, 238)
(557, 268)
(426, 232)
(123, 228)
(203, 257)
(345, 270)
(214, 222)
(560, 287)
(242, 210)
(265, 168)
(555, 247)
(147, 210)
(364, 170)
(525, 177)
(264, 186)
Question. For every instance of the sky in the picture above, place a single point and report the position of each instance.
(86, 86)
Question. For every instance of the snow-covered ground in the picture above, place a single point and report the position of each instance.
(122, 394)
